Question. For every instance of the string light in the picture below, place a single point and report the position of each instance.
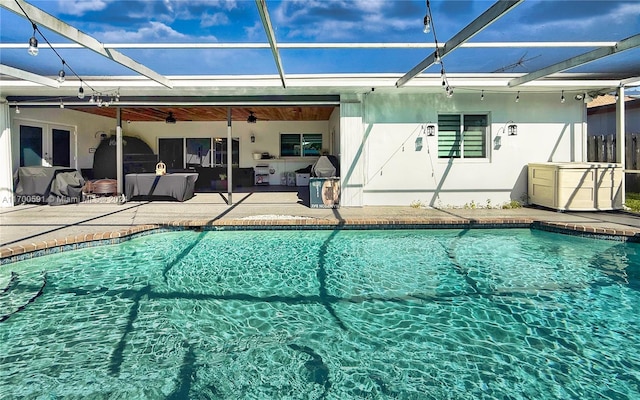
(61, 73)
(428, 22)
(81, 92)
(33, 42)
(562, 99)
(518, 97)
(17, 109)
(482, 96)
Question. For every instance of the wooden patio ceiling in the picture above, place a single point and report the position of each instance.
(213, 113)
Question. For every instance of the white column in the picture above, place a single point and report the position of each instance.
(620, 138)
(352, 151)
(6, 173)
(229, 158)
(119, 157)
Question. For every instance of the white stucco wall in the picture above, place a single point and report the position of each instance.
(396, 172)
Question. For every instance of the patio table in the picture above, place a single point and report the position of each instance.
(179, 186)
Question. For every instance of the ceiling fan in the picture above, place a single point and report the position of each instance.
(170, 118)
(252, 119)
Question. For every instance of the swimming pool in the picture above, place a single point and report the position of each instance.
(407, 314)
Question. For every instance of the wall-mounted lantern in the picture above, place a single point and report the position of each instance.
(512, 130)
(253, 138)
(431, 130)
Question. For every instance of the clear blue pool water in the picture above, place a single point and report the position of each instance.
(406, 314)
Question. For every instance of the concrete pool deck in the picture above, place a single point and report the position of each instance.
(29, 228)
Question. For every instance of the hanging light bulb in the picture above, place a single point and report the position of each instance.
(80, 92)
(562, 99)
(436, 59)
(61, 104)
(427, 23)
(61, 73)
(92, 99)
(482, 96)
(33, 46)
(33, 42)
(518, 97)
(17, 109)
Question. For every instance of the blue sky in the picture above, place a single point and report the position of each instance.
(225, 21)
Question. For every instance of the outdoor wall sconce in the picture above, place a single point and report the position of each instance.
(253, 138)
(512, 130)
(431, 130)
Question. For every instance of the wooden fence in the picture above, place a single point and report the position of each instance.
(602, 148)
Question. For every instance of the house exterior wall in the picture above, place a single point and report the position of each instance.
(393, 169)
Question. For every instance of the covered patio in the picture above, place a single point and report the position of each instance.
(366, 114)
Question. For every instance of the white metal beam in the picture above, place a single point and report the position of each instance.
(54, 24)
(340, 45)
(496, 11)
(625, 44)
(268, 28)
(28, 76)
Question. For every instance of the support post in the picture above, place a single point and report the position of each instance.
(620, 139)
(119, 171)
(6, 161)
(229, 158)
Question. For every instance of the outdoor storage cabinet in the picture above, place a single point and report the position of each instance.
(576, 186)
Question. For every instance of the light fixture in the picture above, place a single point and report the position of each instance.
(253, 138)
(33, 42)
(80, 92)
(170, 119)
(252, 119)
(616, 96)
(17, 109)
(562, 99)
(579, 97)
(512, 130)
(518, 97)
(431, 130)
(437, 59)
(61, 104)
(61, 73)
(482, 96)
(427, 23)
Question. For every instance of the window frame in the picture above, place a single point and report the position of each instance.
(460, 133)
(300, 143)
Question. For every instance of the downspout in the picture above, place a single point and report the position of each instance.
(620, 139)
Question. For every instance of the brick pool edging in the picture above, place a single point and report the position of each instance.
(16, 253)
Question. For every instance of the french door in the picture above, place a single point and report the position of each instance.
(46, 145)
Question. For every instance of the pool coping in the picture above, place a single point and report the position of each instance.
(17, 253)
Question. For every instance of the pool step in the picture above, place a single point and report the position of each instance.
(20, 291)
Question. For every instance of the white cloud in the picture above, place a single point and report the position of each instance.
(152, 31)
(80, 7)
(208, 20)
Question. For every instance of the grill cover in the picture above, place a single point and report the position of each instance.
(326, 166)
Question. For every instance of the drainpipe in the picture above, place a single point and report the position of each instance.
(620, 139)
(119, 172)
(229, 158)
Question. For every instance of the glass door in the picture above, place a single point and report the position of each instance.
(45, 145)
